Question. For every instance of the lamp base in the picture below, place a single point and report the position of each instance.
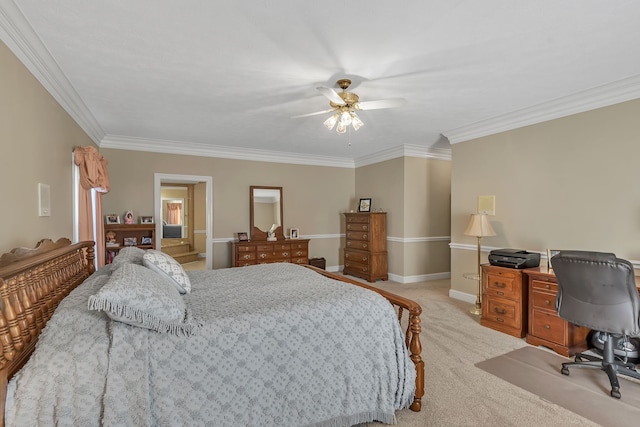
(477, 310)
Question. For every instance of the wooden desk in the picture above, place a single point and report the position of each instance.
(523, 302)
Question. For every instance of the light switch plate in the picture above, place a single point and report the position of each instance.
(44, 200)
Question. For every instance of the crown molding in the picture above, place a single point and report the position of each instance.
(18, 35)
(207, 150)
(406, 150)
(590, 99)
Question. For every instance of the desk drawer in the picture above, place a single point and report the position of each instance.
(548, 326)
(543, 301)
(503, 311)
(548, 285)
(502, 285)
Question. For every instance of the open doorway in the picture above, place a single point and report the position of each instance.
(183, 205)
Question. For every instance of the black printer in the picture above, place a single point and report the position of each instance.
(514, 258)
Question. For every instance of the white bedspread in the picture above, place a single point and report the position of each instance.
(280, 346)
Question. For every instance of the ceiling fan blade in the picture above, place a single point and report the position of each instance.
(331, 94)
(382, 103)
(314, 114)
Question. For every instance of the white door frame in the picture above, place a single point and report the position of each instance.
(158, 179)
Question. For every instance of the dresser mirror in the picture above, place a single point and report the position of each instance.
(265, 212)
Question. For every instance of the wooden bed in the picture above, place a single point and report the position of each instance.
(34, 281)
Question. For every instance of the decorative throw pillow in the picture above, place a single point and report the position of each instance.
(137, 296)
(130, 254)
(169, 268)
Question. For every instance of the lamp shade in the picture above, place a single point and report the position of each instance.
(479, 226)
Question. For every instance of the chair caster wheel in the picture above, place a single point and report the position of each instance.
(615, 393)
(564, 370)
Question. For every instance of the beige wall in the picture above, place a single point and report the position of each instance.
(36, 140)
(415, 193)
(313, 196)
(568, 183)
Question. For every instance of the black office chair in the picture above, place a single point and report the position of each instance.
(598, 291)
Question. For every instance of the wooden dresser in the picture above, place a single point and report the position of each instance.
(261, 252)
(504, 300)
(545, 327)
(365, 253)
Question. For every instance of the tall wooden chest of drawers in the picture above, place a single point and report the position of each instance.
(504, 300)
(545, 327)
(295, 251)
(365, 253)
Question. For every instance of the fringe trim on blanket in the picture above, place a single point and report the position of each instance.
(141, 318)
(363, 417)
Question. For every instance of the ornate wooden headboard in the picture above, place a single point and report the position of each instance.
(32, 284)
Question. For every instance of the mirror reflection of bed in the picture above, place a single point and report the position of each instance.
(179, 221)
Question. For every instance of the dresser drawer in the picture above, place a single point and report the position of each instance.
(357, 244)
(358, 235)
(359, 257)
(356, 266)
(303, 260)
(245, 256)
(503, 285)
(503, 311)
(273, 255)
(304, 246)
(357, 219)
(298, 253)
(278, 247)
(244, 248)
(358, 227)
(543, 300)
(548, 326)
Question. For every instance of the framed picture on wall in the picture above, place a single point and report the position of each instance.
(364, 205)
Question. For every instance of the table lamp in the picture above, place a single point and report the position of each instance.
(479, 227)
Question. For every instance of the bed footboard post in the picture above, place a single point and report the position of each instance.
(415, 347)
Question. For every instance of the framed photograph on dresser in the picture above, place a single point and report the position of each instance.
(294, 233)
(364, 205)
(243, 236)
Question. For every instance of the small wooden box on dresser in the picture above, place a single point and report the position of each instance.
(545, 327)
(504, 300)
(365, 253)
(295, 251)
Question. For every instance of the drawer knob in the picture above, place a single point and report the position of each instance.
(547, 302)
(263, 256)
(364, 245)
(547, 286)
(348, 243)
(299, 253)
(285, 253)
(500, 293)
(364, 227)
(497, 310)
(364, 258)
(500, 319)
(547, 326)
(499, 284)
(364, 236)
(247, 256)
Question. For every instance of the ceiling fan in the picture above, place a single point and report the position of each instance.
(345, 104)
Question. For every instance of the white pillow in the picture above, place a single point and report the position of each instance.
(137, 296)
(168, 268)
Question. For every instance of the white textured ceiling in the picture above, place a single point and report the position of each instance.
(212, 75)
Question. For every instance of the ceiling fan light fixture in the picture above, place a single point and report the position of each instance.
(342, 128)
(355, 121)
(331, 121)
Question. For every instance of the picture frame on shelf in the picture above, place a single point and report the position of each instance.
(294, 233)
(364, 205)
(128, 218)
(243, 236)
(146, 220)
(550, 254)
(146, 240)
(112, 219)
(130, 241)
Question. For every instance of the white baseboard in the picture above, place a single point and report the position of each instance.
(462, 296)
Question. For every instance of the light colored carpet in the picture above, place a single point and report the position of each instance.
(457, 393)
(584, 391)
